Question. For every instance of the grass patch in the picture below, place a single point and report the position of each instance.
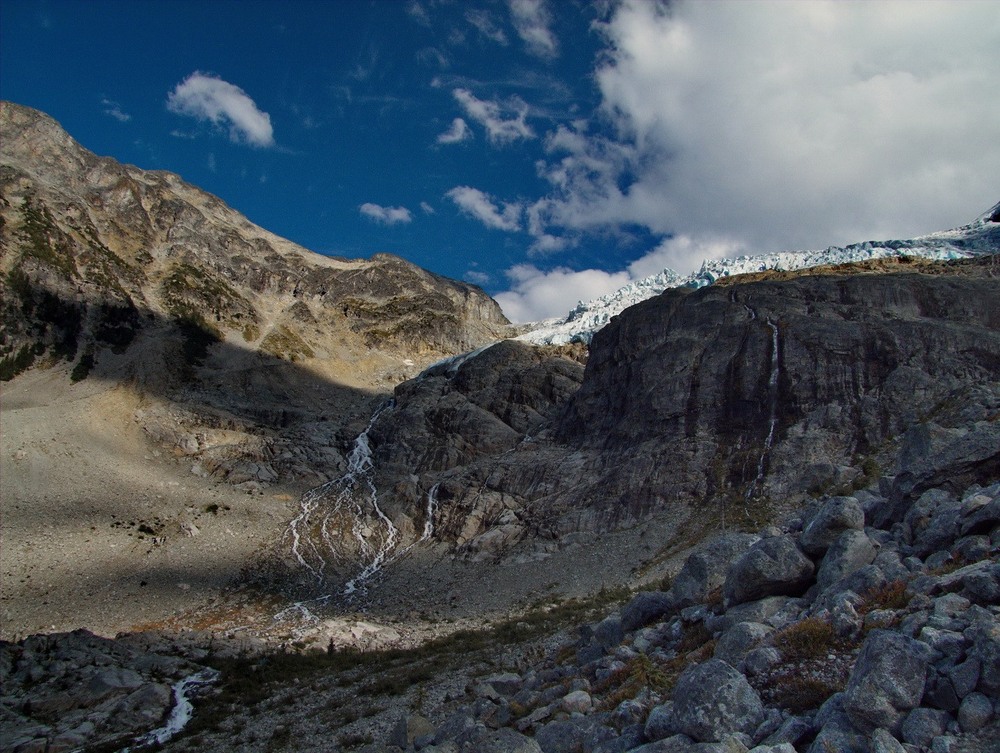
(805, 639)
(281, 342)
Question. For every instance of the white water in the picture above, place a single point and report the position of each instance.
(349, 503)
(772, 397)
(180, 714)
(429, 515)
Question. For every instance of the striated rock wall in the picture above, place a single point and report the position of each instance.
(730, 400)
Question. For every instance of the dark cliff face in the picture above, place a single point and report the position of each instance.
(744, 394)
(791, 377)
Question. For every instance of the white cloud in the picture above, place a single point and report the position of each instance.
(115, 111)
(427, 208)
(486, 25)
(531, 19)
(209, 98)
(419, 13)
(683, 254)
(482, 207)
(786, 125)
(458, 132)
(536, 295)
(476, 277)
(386, 215)
(503, 122)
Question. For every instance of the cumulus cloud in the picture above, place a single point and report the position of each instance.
(386, 215)
(458, 132)
(535, 294)
(683, 254)
(531, 18)
(427, 208)
(211, 99)
(482, 207)
(503, 122)
(785, 126)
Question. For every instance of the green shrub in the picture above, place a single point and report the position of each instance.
(83, 367)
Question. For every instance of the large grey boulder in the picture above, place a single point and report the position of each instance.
(705, 570)
(661, 724)
(772, 567)
(408, 728)
(887, 681)
(986, 649)
(922, 725)
(713, 700)
(740, 640)
(837, 515)
(932, 523)
(644, 608)
(849, 553)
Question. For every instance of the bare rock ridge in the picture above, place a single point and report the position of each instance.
(131, 274)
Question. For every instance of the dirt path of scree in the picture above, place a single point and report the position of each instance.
(98, 528)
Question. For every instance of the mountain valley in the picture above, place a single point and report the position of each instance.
(394, 521)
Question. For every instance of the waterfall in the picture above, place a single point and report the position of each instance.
(353, 497)
(181, 712)
(772, 399)
(432, 502)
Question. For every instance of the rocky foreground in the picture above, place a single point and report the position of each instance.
(857, 626)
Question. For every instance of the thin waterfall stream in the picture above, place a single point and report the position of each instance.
(772, 399)
(346, 505)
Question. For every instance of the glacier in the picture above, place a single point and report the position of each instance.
(980, 237)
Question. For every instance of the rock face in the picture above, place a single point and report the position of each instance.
(100, 259)
(712, 399)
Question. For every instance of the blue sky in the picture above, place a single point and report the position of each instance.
(547, 150)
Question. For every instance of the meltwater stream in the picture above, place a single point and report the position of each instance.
(347, 505)
(181, 712)
(772, 399)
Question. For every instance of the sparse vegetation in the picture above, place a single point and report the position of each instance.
(11, 366)
(44, 242)
(83, 367)
(281, 342)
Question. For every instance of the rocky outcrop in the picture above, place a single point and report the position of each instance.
(906, 664)
(719, 400)
(265, 348)
(71, 691)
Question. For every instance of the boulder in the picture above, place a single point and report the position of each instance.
(565, 735)
(887, 681)
(408, 728)
(772, 567)
(922, 725)
(713, 700)
(503, 740)
(884, 742)
(986, 649)
(660, 724)
(644, 608)
(740, 640)
(975, 712)
(837, 515)
(849, 553)
(705, 570)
